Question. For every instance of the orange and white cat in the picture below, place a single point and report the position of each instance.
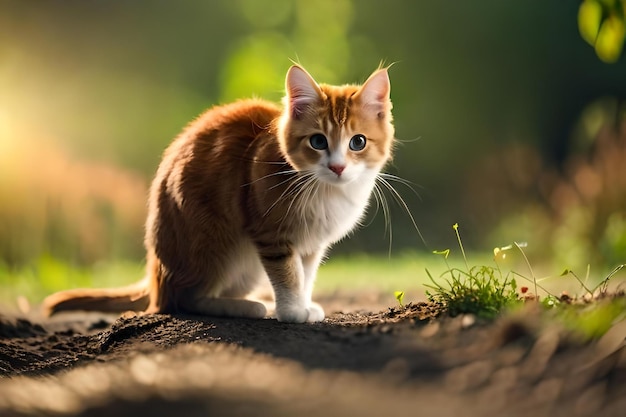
(249, 192)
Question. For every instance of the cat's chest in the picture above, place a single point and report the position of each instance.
(328, 215)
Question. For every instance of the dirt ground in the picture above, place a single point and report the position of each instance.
(363, 360)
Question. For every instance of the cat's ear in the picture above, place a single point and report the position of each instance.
(374, 94)
(302, 91)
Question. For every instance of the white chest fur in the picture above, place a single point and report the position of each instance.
(330, 212)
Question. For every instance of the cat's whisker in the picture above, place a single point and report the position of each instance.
(398, 198)
(378, 193)
(404, 182)
(306, 182)
(361, 223)
(256, 161)
(386, 212)
(378, 206)
(303, 195)
(317, 189)
(403, 141)
(291, 189)
(273, 174)
(310, 190)
(287, 180)
(311, 194)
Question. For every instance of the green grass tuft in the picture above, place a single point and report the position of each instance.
(478, 291)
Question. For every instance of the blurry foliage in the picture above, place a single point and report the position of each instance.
(574, 215)
(602, 23)
(593, 320)
(38, 278)
(256, 63)
(56, 205)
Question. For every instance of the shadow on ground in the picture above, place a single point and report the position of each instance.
(364, 363)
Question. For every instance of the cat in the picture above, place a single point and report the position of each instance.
(249, 192)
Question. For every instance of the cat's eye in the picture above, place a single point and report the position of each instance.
(318, 141)
(357, 143)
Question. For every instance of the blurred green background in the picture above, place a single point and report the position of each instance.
(510, 123)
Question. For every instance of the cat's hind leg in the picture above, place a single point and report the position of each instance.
(231, 279)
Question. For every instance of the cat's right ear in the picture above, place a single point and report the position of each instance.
(302, 91)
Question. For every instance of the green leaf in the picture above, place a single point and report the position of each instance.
(610, 40)
(589, 20)
(445, 253)
(399, 296)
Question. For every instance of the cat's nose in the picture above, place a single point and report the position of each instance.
(337, 169)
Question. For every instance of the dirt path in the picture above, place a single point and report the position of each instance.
(355, 363)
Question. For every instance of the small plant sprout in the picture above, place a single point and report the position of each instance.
(501, 252)
(455, 226)
(530, 268)
(445, 254)
(603, 286)
(582, 283)
(400, 297)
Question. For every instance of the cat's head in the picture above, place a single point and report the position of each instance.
(339, 133)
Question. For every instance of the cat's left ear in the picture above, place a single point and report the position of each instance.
(302, 91)
(374, 94)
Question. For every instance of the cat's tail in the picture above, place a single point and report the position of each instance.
(135, 297)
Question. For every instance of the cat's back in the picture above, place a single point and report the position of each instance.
(217, 141)
(243, 118)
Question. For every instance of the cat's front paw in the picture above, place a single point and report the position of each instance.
(295, 314)
(316, 313)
